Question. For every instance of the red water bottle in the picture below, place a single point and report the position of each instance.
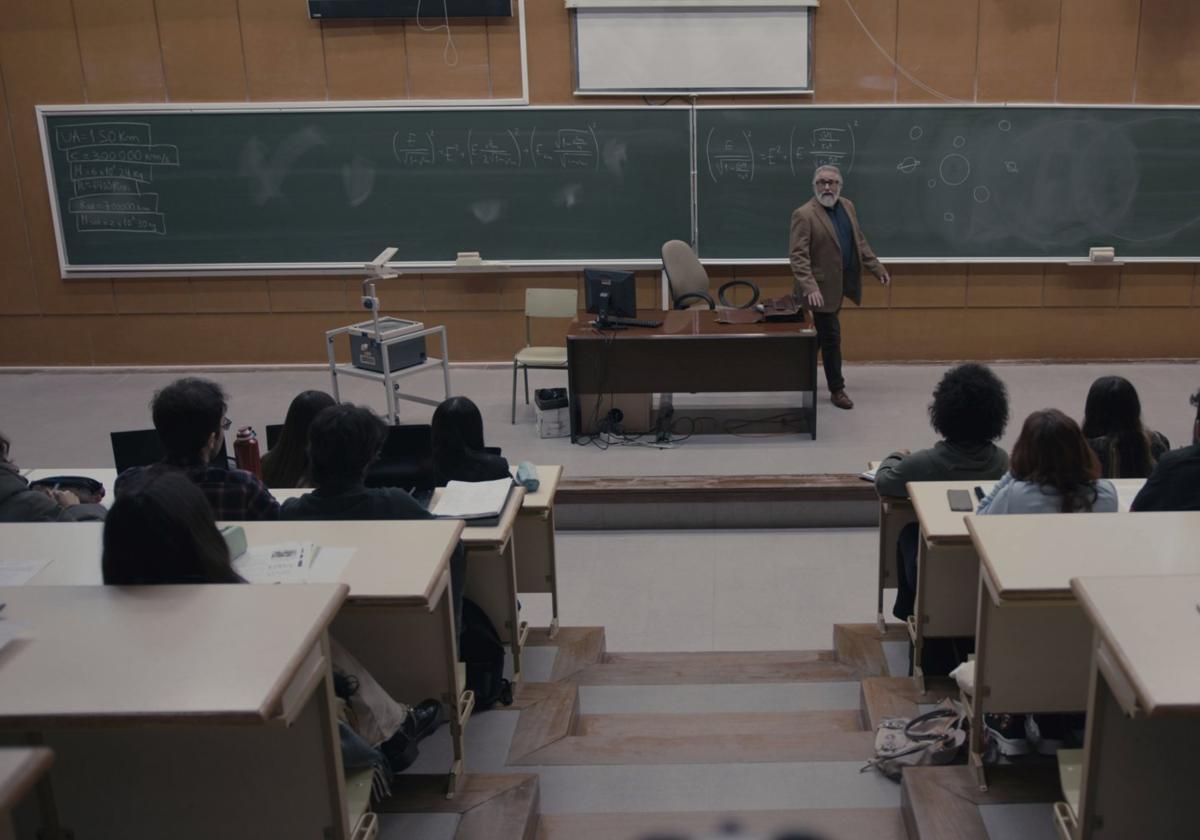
(245, 451)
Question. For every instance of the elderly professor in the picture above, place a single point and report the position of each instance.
(828, 252)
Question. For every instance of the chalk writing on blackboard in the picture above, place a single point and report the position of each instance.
(109, 163)
(484, 149)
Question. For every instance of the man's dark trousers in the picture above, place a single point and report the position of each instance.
(829, 339)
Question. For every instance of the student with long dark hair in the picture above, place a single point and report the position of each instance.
(161, 530)
(286, 464)
(1112, 423)
(1053, 470)
(458, 451)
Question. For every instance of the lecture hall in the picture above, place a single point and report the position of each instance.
(674, 407)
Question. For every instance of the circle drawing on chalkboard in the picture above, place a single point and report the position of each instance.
(1004, 125)
(960, 141)
(916, 133)
(954, 169)
(949, 217)
(981, 194)
(932, 183)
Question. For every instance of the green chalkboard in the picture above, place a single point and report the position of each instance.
(212, 188)
(957, 182)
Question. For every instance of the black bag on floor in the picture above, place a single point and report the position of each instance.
(479, 646)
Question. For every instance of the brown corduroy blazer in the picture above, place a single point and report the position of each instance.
(816, 255)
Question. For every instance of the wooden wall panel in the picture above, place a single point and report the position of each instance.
(1158, 333)
(513, 286)
(157, 295)
(1084, 286)
(33, 32)
(230, 294)
(1018, 50)
(1168, 64)
(1004, 285)
(282, 51)
(504, 55)
(936, 44)
(551, 66)
(201, 50)
(437, 70)
(118, 45)
(853, 52)
(1148, 285)
(23, 341)
(476, 292)
(17, 287)
(365, 59)
(496, 335)
(308, 294)
(926, 285)
(1097, 50)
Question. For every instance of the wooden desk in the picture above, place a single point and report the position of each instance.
(179, 711)
(533, 533)
(1139, 765)
(492, 574)
(397, 620)
(691, 352)
(20, 769)
(1031, 638)
(895, 512)
(947, 562)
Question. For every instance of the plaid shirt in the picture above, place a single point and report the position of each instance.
(233, 494)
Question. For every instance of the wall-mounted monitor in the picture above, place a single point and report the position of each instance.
(408, 9)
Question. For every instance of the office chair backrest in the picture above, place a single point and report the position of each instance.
(274, 430)
(685, 274)
(406, 460)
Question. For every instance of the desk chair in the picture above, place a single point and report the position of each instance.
(141, 447)
(274, 430)
(406, 459)
(542, 303)
(689, 281)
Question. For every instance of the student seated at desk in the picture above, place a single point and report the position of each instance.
(1112, 423)
(18, 503)
(343, 441)
(970, 411)
(1175, 482)
(189, 416)
(161, 531)
(1053, 470)
(458, 450)
(286, 464)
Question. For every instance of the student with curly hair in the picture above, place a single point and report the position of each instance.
(970, 411)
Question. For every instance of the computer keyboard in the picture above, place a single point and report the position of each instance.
(628, 322)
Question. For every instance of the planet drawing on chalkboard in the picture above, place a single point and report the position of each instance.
(908, 165)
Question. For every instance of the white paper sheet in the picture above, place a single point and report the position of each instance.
(473, 499)
(279, 563)
(19, 572)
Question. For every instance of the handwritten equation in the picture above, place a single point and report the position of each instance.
(740, 155)
(109, 166)
(560, 148)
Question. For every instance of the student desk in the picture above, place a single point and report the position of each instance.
(1031, 637)
(895, 512)
(1139, 776)
(20, 769)
(179, 711)
(947, 563)
(397, 620)
(492, 573)
(533, 534)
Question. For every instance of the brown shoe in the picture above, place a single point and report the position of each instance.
(841, 399)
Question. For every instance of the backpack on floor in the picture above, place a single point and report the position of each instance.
(479, 646)
(935, 737)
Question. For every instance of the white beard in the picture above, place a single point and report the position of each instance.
(828, 200)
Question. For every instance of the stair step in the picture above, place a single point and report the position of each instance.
(701, 725)
(942, 803)
(492, 806)
(827, 823)
(578, 647)
(711, 668)
(899, 697)
(708, 748)
(861, 645)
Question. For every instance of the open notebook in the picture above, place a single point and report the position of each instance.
(472, 499)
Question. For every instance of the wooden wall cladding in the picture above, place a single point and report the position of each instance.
(866, 51)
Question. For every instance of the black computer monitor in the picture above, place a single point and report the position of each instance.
(610, 293)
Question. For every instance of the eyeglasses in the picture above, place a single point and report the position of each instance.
(226, 423)
(827, 182)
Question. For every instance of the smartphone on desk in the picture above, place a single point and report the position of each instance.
(960, 500)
